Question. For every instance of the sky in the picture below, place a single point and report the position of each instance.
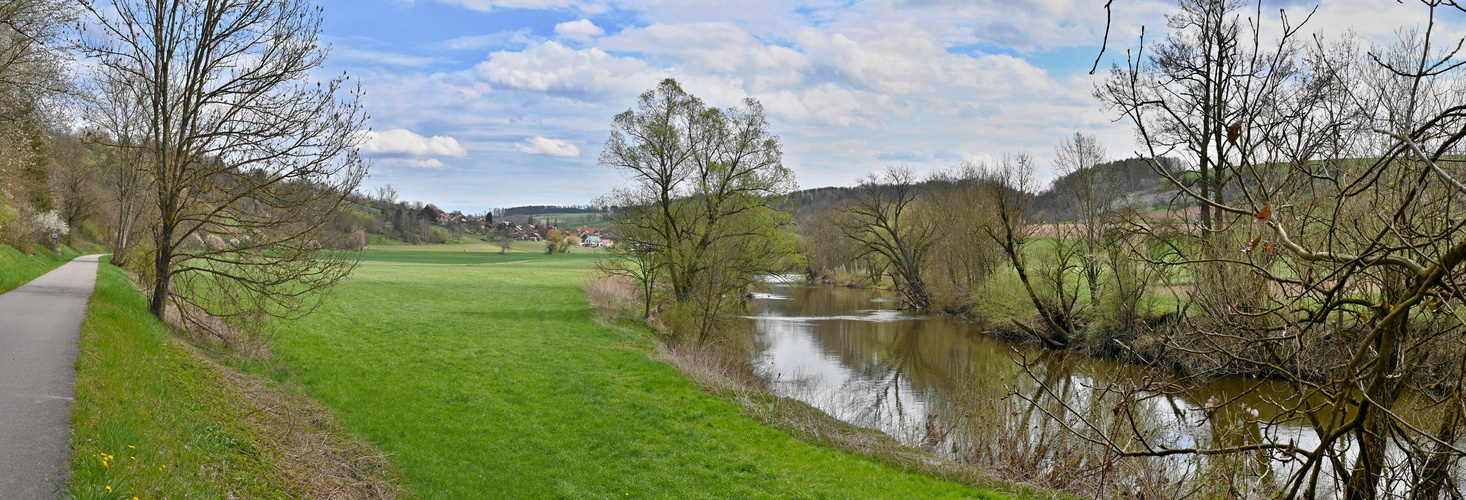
(477, 104)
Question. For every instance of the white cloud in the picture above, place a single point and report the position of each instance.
(553, 147)
(582, 30)
(377, 57)
(403, 141)
(830, 104)
(553, 68)
(477, 42)
(719, 48)
(929, 82)
(433, 163)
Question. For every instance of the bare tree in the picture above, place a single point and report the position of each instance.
(74, 179)
(1010, 193)
(963, 258)
(1336, 255)
(118, 127)
(240, 143)
(884, 219)
(1089, 195)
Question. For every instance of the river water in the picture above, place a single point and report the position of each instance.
(937, 383)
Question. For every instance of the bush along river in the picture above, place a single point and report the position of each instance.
(937, 383)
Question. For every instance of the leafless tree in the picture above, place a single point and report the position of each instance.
(1010, 193)
(239, 142)
(118, 122)
(884, 219)
(1089, 196)
(963, 258)
(1336, 251)
(74, 180)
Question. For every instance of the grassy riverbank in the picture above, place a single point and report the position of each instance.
(154, 418)
(17, 268)
(485, 376)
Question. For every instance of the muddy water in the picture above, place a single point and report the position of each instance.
(852, 354)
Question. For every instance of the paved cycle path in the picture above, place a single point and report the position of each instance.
(39, 326)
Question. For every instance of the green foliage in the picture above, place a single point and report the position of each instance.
(702, 215)
(491, 379)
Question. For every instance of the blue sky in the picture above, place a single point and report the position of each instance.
(478, 104)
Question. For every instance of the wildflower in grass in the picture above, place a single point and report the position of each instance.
(109, 489)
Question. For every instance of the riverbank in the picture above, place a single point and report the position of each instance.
(724, 370)
(486, 376)
(156, 418)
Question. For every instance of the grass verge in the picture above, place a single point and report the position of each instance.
(17, 268)
(154, 418)
(491, 379)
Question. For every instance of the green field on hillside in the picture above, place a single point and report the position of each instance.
(485, 376)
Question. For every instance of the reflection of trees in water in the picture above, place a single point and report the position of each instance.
(917, 379)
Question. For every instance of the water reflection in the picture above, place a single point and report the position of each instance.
(943, 385)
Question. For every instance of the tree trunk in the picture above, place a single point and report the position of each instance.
(1373, 434)
(1443, 459)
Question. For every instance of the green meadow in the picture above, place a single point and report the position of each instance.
(485, 376)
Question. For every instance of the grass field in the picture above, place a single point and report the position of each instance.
(486, 377)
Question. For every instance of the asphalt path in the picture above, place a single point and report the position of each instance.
(39, 325)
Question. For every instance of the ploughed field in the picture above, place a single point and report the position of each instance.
(485, 375)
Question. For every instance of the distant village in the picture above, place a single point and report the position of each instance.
(527, 230)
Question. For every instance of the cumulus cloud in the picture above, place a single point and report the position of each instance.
(715, 48)
(582, 30)
(552, 67)
(538, 145)
(407, 142)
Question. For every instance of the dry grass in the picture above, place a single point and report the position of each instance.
(319, 456)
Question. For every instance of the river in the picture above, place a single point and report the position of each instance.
(940, 384)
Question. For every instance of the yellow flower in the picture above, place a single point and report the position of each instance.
(132, 447)
(109, 489)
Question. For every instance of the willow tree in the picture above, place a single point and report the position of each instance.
(241, 145)
(701, 214)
